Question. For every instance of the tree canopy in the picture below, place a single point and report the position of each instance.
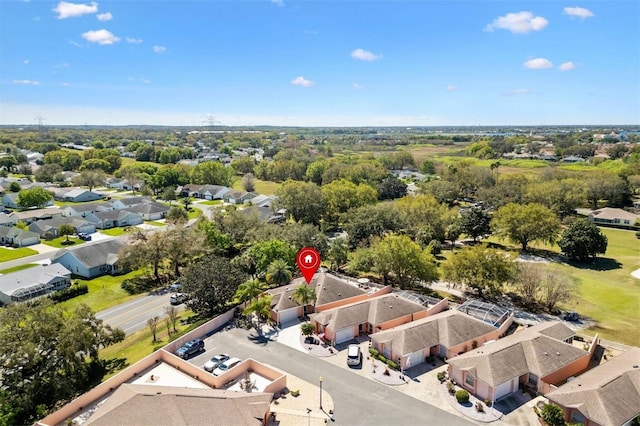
(582, 240)
(526, 223)
(402, 261)
(33, 197)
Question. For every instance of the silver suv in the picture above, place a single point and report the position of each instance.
(354, 356)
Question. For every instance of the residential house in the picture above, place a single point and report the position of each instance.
(205, 192)
(264, 213)
(373, 314)
(573, 159)
(126, 203)
(445, 334)
(78, 195)
(238, 197)
(9, 200)
(607, 395)
(92, 259)
(51, 226)
(262, 200)
(8, 219)
(613, 217)
(114, 218)
(123, 184)
(33, 282)
(18, 237)
(537, 358)
(84, 210)
(28, 216)
(150, 211)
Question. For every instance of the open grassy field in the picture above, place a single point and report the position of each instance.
(7, 254)
(19, 268)
(104, 292)
(262, 186)
(606, 291)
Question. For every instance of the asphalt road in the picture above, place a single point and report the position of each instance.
(357, 400)
(133, 315)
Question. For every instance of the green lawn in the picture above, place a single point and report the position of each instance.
(19, 268)
(104, 292)
(262, 186)
(57, 242)
(194, 213)
(211, 202)
(7, 254)
(606, 291)
(154, 223)
(114, 232)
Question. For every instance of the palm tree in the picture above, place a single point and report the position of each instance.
(278, 273)
(249, 291)
(304, 294)
(261, 308)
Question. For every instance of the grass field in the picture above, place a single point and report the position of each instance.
(104, 292)
(262, 186)
(19, 268)
(17, 253)
(606, 291)
(211, 202)
(114, 232)
(139, 344)
(57, 242)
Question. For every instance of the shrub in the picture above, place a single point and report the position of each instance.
(430, 359)
(69, 293)
(307, 329)
(487, 402)
(535, 410)
(382, 358)
(374, 352)
(451, 387)
(392, 364)
(442, 376)
(552, 415)
(462, 396)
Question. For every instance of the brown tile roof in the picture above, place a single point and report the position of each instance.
(609, 394)
(526, 351)
(448, 328)
(609, 213)
(142, 405)
(373, 311)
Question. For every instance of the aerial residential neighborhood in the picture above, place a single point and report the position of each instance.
(288, 213)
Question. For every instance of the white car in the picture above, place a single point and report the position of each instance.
(215, 362)
(354, 356)
(226, 366)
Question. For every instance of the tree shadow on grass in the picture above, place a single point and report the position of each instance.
(598, 264)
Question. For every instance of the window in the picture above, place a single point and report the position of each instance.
(577, 418)
(533, 379)
(469, 380)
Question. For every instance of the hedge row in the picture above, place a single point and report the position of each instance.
(69, 293)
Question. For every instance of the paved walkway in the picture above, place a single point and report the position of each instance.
(304, 408)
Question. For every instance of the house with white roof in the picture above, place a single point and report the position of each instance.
(33, 282)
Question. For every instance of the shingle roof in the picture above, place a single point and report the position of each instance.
(330, 288)
(609, 394)
(13, 232)
(113, 214)
(94, 254)
(89, 207)
(31, 277)
(526, 351)
(148, 208)
(165, 405)
(448, 328)
(130, 201)
(612, 213)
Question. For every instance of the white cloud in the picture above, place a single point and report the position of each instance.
(133, 40)
(538, 64)
(579, 12)
(104, 16)
(159, 49)
(452, 87)
(278, 2)
(567, 66)
(27, 82)
(518, 92)
(519, 23)
(72, 10)
(358, 86)
(145, 80)
(301, 81)
(365, 55)
(100, 37)
(26, 62)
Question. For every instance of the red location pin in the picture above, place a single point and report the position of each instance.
(308, 261)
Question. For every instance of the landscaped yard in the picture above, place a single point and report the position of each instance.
(116, 232)
(57, 242)
(7, 254)
(211, 202)
(19, 268)
(262, 186)
(606, 291)
(104, 292)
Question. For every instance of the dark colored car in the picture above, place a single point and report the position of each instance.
(84, 237)
(571, 316)
(178, 299)
(190, 348)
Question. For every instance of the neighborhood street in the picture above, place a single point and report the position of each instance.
(357, 400)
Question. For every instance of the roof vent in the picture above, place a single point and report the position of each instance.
(635, 366)
(558, 353)
(546, 353)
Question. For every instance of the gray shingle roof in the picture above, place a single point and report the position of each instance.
(94, 254)
(609, 394)
(330, 288)
(448, 328)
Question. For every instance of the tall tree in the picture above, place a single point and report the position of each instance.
(211, 283)
(261, 308)
(278, 273)
(90, 178)
(305, 295)
(249, 290)
(524, 224)
(582, 240)
(48, 355)
(146, 249)
(401, 260)
(183, 244)
(342, 195)
(424, 210)
(364, 223)
(33, 197)
(66, 229)
(476, 223)
(338, 253)
(391, 188)
(153, 326)
(212, 173)
(480, 268)
(249, 182)
(304, 201)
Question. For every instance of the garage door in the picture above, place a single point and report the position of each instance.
(289, 315)
(344, 335)
(414, 359)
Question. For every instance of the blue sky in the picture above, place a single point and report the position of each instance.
(317, 63)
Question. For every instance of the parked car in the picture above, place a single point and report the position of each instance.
(354, 355)
(215, 362)
(190, 348)
(571, 316)
(178, 299)
(177, 286)
(85, 237)
(226, 366)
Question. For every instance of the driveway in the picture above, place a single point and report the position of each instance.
(289, 335)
